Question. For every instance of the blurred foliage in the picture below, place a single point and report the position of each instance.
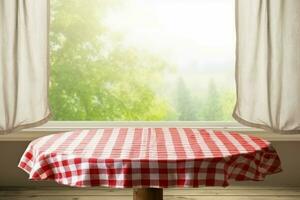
(95, 77)
(185, 106)
(217, 104)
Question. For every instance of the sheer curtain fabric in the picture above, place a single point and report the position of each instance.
(23, 64)
(268, 64)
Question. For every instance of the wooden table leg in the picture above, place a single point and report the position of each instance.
(148, 194)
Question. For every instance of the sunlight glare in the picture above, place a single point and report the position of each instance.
(184, 31)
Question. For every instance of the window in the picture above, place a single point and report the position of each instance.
(142, 60)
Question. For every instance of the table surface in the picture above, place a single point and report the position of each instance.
(149, 157)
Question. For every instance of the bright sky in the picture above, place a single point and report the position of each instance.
(194, 34)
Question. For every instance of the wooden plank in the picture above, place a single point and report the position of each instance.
(207, 191)
(165, 198)
(230, 198)
(67, 198)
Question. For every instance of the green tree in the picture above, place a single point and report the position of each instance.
(185, 105)
(211, 109)
(93, 75)
(227, 101)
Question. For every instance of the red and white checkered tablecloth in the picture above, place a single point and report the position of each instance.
(149, 157)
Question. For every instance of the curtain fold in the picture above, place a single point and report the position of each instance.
(268, 64)
(23, 64)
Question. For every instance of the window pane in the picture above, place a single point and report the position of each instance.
(142, 60)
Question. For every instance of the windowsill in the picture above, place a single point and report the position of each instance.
(62, 126)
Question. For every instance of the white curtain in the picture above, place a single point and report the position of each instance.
(268, 64)
(23, 64)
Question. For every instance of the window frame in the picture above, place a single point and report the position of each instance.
(71, 125)
(53, 127)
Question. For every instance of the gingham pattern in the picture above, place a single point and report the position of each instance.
(149, 157)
